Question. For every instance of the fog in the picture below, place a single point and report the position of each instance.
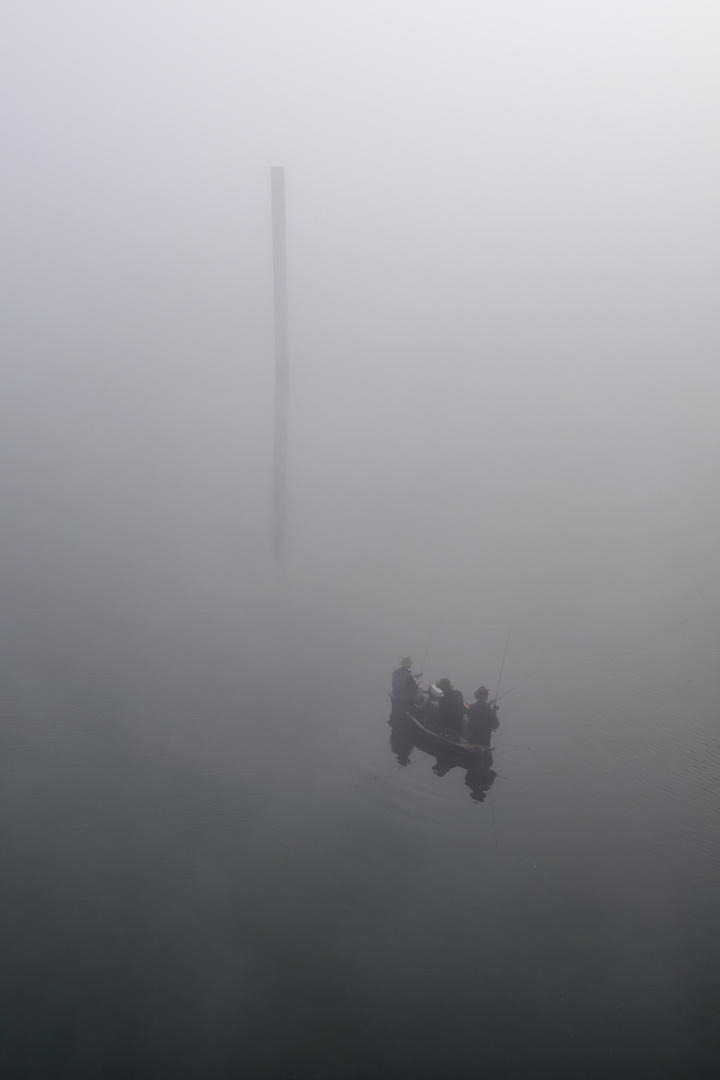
(502, 226)
(502, 275)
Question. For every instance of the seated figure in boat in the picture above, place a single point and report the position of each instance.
(482, 718)
(405, 690)
(451, 708)
(434, 696)
(428, 710)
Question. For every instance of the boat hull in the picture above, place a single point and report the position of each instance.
(443, 744)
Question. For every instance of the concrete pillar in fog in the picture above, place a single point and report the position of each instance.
(282, 367)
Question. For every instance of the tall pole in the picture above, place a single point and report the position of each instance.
(282, 367)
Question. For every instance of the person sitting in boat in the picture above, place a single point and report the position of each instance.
(435, 696)
(482, 718)
(451, 708)
(405, 690)
(429, 709)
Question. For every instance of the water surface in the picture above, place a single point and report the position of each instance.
(216, 865)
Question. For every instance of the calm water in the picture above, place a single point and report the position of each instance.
(216, 866)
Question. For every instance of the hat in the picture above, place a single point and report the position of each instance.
(406, 661)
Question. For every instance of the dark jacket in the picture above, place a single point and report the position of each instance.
(404, 687)
(482, 721)
(451, 710)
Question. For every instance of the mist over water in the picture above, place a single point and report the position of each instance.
(502, 278)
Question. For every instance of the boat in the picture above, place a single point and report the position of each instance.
(426, 731)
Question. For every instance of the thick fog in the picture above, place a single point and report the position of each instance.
(503, 269)
(502, 255)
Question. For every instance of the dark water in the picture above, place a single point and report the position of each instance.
(216, 866)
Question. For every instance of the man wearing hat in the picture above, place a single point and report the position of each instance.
(451, 708)
(482, 718)
(404, 685)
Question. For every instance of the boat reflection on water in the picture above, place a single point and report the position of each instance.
(479, 772)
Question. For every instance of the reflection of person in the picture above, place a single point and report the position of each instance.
(451, 708)
(401, 742)
(481, 777)
(482, 718)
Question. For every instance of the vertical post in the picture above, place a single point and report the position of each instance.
(282, 367)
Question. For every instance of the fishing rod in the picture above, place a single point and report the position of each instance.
(432, 635)
(517, 684)
(502, 665)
